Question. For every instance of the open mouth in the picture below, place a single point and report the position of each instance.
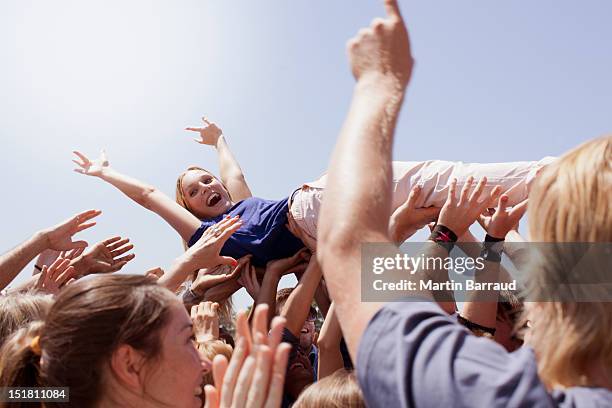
(213, 199)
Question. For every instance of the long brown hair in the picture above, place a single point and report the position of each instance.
(83, 328)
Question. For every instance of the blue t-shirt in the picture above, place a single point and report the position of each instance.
(263, 233)
(414, 355)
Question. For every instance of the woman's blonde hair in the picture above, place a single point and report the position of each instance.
(339, 390)
(570, 202)
(225, 309)
(180, 195)
(19, 310)
(210, 349)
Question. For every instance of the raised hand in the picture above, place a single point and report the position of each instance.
(209, 134)
(89, 167)
(458, 214)
(205, 252)
(383, 49)
(293, 264)
(248, 280)
(501, 220)
(208, 278)
(256, 371)
(105, 257)
(408, 219)
(155, 273)
(59, 237)
(53, 277)
(205, 318)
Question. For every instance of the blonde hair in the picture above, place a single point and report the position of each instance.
(339, 390)
(570, 202)
(210, 349)
(225, 306)
(180, 195)
(19, 310)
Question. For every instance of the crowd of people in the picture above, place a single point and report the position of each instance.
(171, 337)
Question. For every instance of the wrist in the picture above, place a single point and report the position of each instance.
(40, 241)
(381, 84)
(220, 141)
(80, 265)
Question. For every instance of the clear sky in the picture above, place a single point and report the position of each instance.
(494, 81)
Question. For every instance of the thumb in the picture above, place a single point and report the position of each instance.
(227, 260)
(392, 9)
(77, 244)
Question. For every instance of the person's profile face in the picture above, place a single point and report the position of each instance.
(175, 379)
(307, 335)
(204, 194)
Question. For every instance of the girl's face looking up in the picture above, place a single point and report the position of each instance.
(204, 194)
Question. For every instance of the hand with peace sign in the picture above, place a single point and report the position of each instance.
(382, 51)
(209, 134)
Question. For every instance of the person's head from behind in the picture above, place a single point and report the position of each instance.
(201, 193)
(19, 310)
(209, 350)
(114, 340)
(570, 202)
(509, 310)
(339, 390)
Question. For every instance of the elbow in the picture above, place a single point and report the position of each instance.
(145, 197)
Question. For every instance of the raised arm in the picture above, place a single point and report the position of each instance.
(298, 304)
(229, 169)
(58, 238)
(358, 196)
(147, 196)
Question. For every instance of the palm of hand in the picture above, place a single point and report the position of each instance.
(210, 134)
(100, 259)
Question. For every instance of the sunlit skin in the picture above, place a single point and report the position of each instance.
(205, 195)
(176, 380)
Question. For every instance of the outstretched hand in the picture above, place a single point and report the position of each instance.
(105, 257)
(383, 49)
(256, 371)
(59, 237)
(53, 277)
(458, 213)
(408, 219)
(89, 167)
(501, 220)
(205, 252)
(211, 277)
(209, 134)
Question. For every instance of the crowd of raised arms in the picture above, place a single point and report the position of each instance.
(170, 338)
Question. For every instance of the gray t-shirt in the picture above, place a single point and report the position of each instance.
(414, 355)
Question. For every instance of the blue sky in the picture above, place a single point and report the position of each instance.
(494, 81)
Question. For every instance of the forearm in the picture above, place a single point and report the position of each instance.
(12, 262)
(481, 307)
(230, 171)
(360, 174)
(24, 286)
(267, 294)
(181, 220)
(330, 356)
(176, 275)
(131, 187)
(298, 304)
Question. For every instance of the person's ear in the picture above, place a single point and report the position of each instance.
(126, 365)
